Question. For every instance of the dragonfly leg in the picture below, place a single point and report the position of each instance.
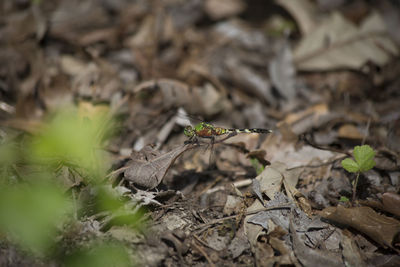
(226, 137)
(211, 162)
(193, 140)
(188, 142)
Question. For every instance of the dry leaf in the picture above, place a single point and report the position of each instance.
(271, 179)
(205, 100)
(149, 166)
(391, 203)
(312, 257)
(380, 228)
(303, 11)
(350, 131)
(351, 252)
(338, 43)
(218, 9)
(282, 72)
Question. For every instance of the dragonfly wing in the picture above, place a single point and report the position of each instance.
(182, 118)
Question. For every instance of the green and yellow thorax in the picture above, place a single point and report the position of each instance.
(204, 129)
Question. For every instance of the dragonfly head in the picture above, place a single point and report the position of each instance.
(189, 131)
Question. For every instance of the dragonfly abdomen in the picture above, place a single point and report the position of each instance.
(206, 130)
(250, 130)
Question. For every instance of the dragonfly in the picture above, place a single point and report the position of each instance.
(207, 130)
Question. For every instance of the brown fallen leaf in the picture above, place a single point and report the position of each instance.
(207, 100)
(380, 228)
(149, 166)
(391, 203)
(219, 9)
(338, 43)
(350, 131)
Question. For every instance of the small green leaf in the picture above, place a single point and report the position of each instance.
(350, 165)
(364, 156)
(257, 165)
(344, 199)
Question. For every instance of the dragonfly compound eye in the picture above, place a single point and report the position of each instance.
(188, 131)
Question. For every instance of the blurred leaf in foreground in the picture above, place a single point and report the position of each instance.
(35, 208)
(71, 139)
(30, 214)
(103, 255)
(8, 153)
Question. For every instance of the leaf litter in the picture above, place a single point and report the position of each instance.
(325, 86)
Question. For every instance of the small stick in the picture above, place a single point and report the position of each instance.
(208, 224)
(204, 254)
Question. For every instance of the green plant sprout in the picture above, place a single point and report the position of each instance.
(364, 161)
(257, 165)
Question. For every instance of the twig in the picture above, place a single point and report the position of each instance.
(237, 184)
(204, 254)
(318, 165)
(117, 172)
(208, 224)
(201, 241)
(310, 143)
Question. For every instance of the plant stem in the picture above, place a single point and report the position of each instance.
(355, 186)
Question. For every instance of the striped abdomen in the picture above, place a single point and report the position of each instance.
(251, 130)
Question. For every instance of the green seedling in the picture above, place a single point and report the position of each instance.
(257, 165)
(363, 161)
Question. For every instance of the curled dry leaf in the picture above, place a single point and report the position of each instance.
(380, 228)
(149, 166)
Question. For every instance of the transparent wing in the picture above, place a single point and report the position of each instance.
(184, 119)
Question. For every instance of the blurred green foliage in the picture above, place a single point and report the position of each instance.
(8, 154)
(344, 199)
(103, 255)
(36, 202)
(31, 212)
(73, 140)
